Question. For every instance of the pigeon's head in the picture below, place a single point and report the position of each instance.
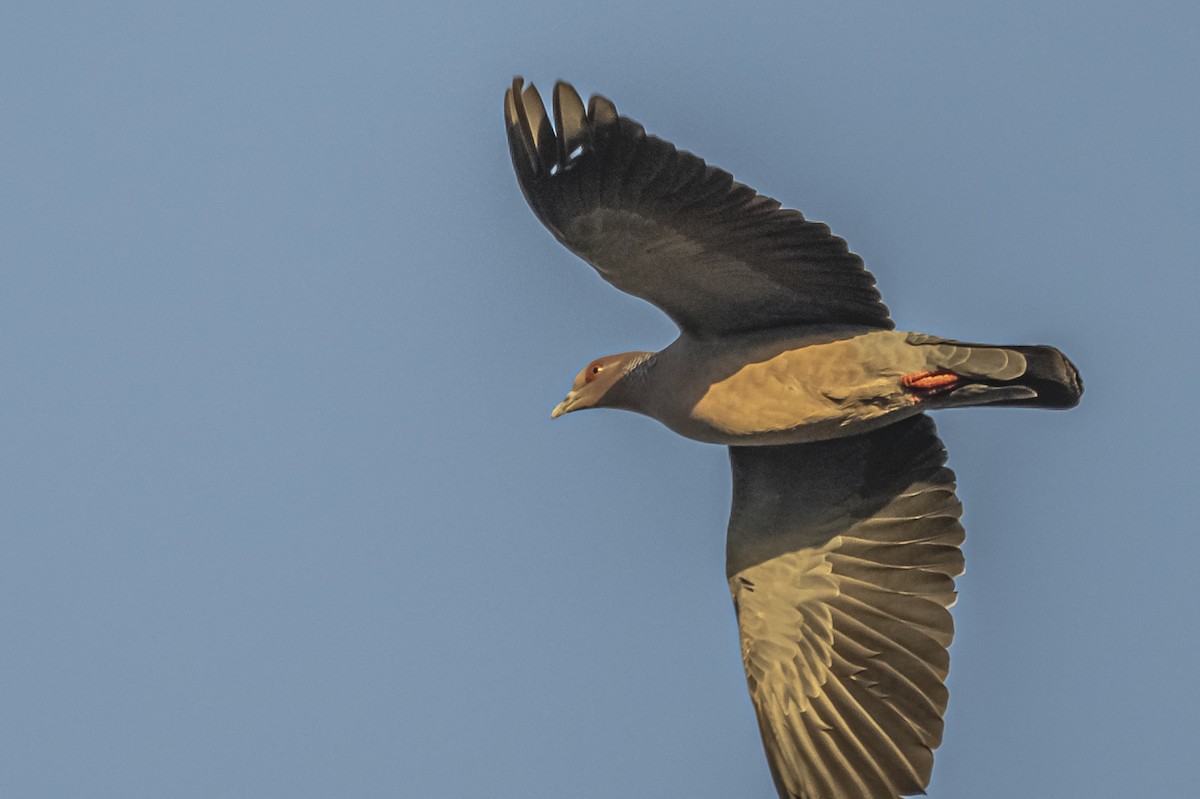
(599, 384)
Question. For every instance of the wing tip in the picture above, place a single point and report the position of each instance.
(520, 135)
(543, 143)
(570, 121)
(602, 112)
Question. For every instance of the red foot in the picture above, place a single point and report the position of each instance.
(927, 384)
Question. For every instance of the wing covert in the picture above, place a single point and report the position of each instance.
(841, 557)
(659, 223)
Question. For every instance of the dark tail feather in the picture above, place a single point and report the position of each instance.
(1047, 372)
(1052, 375)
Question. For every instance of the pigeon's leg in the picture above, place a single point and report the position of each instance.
(926, 384)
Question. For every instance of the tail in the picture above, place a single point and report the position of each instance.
(993, 375)
(1052, 375)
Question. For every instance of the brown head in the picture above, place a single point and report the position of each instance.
(593, 387)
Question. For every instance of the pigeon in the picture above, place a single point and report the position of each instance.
(844, 535)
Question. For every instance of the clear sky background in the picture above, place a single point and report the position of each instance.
(282, 510)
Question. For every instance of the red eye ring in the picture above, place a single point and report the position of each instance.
(592, 372)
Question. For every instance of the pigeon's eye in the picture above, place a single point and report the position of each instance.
(592, 372)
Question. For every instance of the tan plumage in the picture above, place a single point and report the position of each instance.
(842, 556)
(844, 534)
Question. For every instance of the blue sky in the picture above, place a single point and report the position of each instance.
(282, 510)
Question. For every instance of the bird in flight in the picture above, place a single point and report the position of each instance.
(844, 536)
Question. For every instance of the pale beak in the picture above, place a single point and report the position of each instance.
(564, 406)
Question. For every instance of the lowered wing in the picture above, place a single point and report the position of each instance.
(841, 557)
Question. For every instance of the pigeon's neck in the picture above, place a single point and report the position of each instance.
(632, 391)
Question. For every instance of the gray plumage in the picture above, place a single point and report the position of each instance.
(844, 533)
(662, 225)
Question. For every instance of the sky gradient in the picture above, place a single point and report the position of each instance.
(282, 510)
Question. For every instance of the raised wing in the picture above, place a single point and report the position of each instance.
(842, 556)
(662, 225)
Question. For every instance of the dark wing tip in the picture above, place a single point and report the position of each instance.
(530, 135)
(520, 136)
(570, 120)
(541, 133)
(601, 111)
(540, 148)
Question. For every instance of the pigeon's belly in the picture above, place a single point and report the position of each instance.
(791, 389)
